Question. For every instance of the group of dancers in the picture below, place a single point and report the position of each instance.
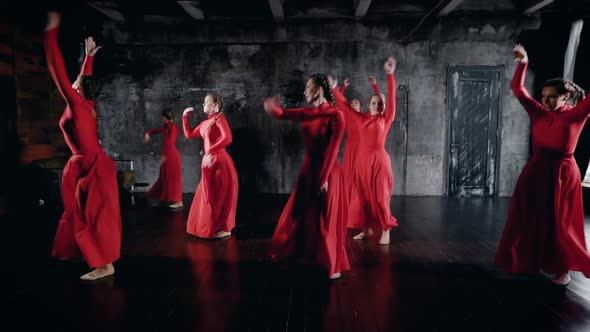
(544, 230)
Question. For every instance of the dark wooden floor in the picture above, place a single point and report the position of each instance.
(435, 276)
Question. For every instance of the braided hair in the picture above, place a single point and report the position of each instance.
(321, 80)
(563, 86)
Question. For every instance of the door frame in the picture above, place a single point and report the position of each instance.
(501, 70)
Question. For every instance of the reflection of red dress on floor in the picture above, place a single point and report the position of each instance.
(216, 283)
(312, 226)
(168, 187)
(215, 202)
(91, 222)
(545, 226)
(373, 182)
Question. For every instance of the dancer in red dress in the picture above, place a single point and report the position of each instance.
(91, 222)
(312, 227)
(213, 211)
(168, 187)
(355, 103)
(353, 155)
(545, 226)
(370, 170)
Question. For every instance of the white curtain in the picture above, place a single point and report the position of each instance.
(572, 46)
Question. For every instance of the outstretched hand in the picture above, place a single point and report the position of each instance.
(389, 65)
(372, 80)
(53, 20)
(332, 81)
(346, 82)
(520, 53)
(188, 111)
(146, 138)
(270, 103)
(90, 46)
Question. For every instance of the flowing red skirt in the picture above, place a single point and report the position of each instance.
(91, 222)
(374, 185)
(168, 187)
(216, 199)
(545, 226)
(357, 209)
(312, 227)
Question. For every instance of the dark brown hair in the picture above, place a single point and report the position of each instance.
(89, 86)
(563, 86)
(320, 79)
(167, 113)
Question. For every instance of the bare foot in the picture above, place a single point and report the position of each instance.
(336, 275)
(176, 205)
(101, 272)
(222, 234)
(562, 279)
(384, 237)
(364, 234)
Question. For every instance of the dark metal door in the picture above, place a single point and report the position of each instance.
(474, 106)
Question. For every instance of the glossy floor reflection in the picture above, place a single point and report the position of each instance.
(435, 276)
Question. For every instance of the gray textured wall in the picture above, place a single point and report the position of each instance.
(175, 67)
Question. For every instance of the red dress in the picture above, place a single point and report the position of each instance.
(91, 222)
(168, 187)
(312, 226)
(373, 180)
(545, 226)
(215, 202)
(353, 150)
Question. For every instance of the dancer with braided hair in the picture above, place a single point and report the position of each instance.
(213, 211)
(545, 226)
(369, 168)
(312, 226)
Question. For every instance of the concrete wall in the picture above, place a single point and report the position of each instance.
(144, 71)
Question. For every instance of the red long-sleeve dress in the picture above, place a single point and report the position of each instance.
(91, 222)
(373, 176)
(312, 226)
(545, 226)
(215, 202)
(168, 187)
(353, 156)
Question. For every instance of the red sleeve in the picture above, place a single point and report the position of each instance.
(376, 88)
(343, 104)
(87, 65)
(225, 138)
(297, 114)
(57, 68)
(155, 130)
(337, 124)
(342, 89)
(582, 109)
(390, 106)
(529, 104)
(188, 132)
